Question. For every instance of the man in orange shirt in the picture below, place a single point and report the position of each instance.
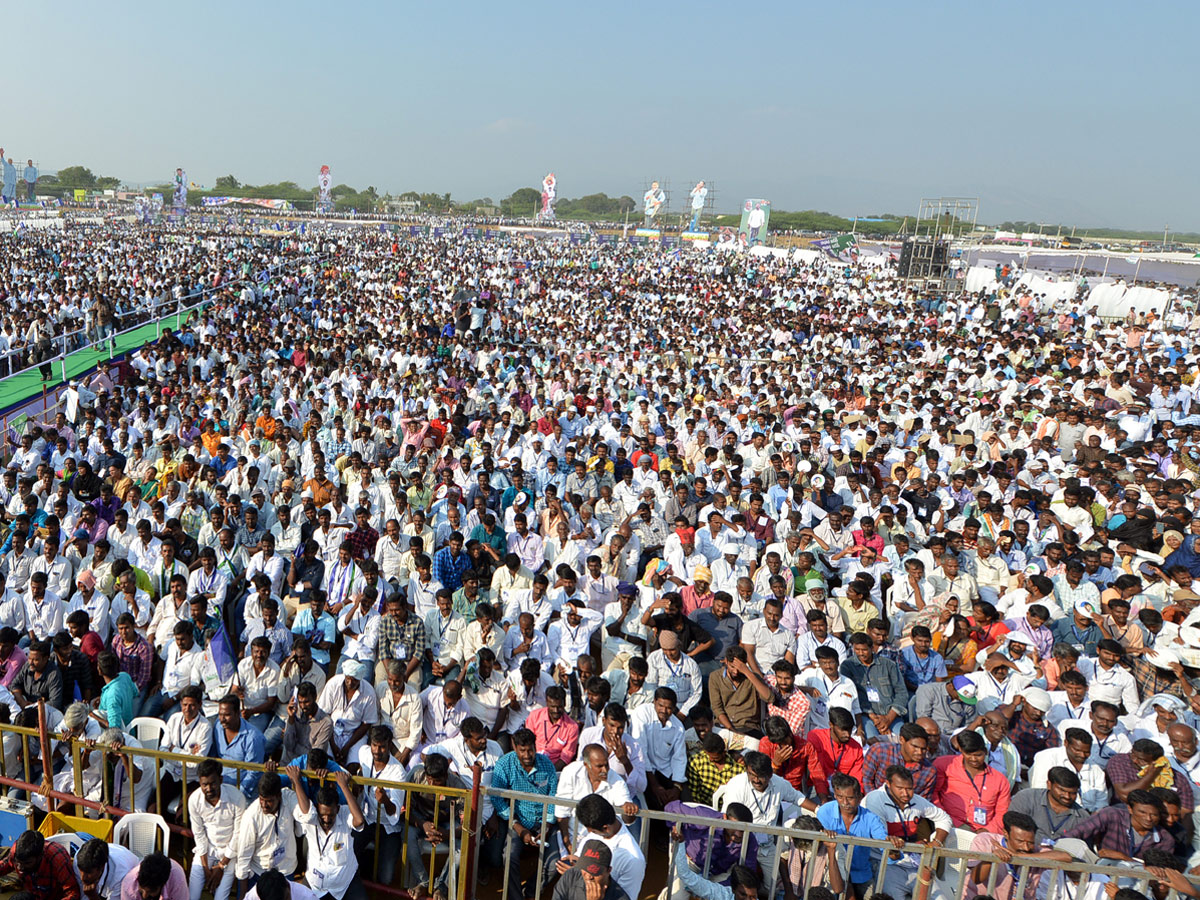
(836, 750)
(792, 757)
(974, 794)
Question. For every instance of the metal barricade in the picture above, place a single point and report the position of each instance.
(458, 847)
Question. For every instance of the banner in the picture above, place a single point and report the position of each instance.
(249, 201)
(652, 203)
(549, 194)
(841, 246)
(324, 185)
(181, 190)
(80, 195)
(756, 214)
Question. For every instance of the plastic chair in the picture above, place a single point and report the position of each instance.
(69, 840)
(718, 798)
(138, 832)
(149, 732)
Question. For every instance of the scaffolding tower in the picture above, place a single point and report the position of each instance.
(926, 257)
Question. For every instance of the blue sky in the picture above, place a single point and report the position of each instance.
(1071, 112)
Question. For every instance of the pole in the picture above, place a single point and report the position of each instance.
(1165, 228)
(47, 761)
(469, 836)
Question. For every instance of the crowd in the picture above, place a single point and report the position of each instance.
(723, 536)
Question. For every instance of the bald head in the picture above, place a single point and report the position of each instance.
(934, 731)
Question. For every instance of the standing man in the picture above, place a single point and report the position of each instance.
(31, 177)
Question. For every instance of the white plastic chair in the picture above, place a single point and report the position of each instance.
(149, 732)
(718, 798)
(138, 833)
(69, 840)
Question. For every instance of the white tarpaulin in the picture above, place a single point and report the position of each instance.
(1054, 291)
(875, 261)
(760, 250)
(802, 255)
(1116, 300)
(980, 278)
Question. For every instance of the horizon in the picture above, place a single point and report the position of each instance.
(833, 109)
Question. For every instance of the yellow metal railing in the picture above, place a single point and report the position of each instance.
(459, 842)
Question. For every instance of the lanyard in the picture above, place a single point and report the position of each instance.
(675, 673)
(183, 740)
(900, 817)
(922, 671)
(443, 628)
(329, 837)
(977, 787)
(1136, 852)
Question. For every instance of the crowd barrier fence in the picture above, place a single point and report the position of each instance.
(33, 748)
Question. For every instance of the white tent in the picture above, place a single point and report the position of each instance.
(1116, 300)
(980, 278)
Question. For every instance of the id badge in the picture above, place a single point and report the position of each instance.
(872, 695)
(978, 816)
(278, 855)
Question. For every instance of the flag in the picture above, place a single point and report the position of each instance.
(222, 654)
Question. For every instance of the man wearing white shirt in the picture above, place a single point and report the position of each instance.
(269, 563)
(1104, 670)
(400, 709)
(625, 756)
(389, 552)
(329, 828)
(1074, 754)
(670, 667)
(267, 832)
(215, 814)
(208, 581)
(471, 747)
(571, 636)
(660, 735)
(443, 710)
(101, 868)
(828, 687)
(590, 774)
(765, 640)
(44, 610)
(182, 665)
(1109, 737)
(523, 642)
(817, 636)
(598, 820)
(375, 760)
(767, 796)
(533, 600)
(444, 630)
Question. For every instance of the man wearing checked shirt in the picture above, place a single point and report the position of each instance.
(530, 772)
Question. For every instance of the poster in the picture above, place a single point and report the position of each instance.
(652, 202)
(842, 246)
(181, 190)
(699, 194)
(324, 186)
(80, 195)
(549, 195)
(756, 214)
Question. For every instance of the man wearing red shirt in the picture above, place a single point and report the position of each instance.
(974, 794)
(836, 750)
(792, 757)
(45, 869)
(557, 734)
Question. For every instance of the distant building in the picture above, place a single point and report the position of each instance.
(403, 207)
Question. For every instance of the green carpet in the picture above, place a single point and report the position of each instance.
(18, 389)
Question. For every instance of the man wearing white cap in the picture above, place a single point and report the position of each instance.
(1028, 729)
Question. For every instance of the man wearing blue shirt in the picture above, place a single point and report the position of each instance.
(316, 626)
(525, 770)
(238, 740)
(844, 814)
(919, 664)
